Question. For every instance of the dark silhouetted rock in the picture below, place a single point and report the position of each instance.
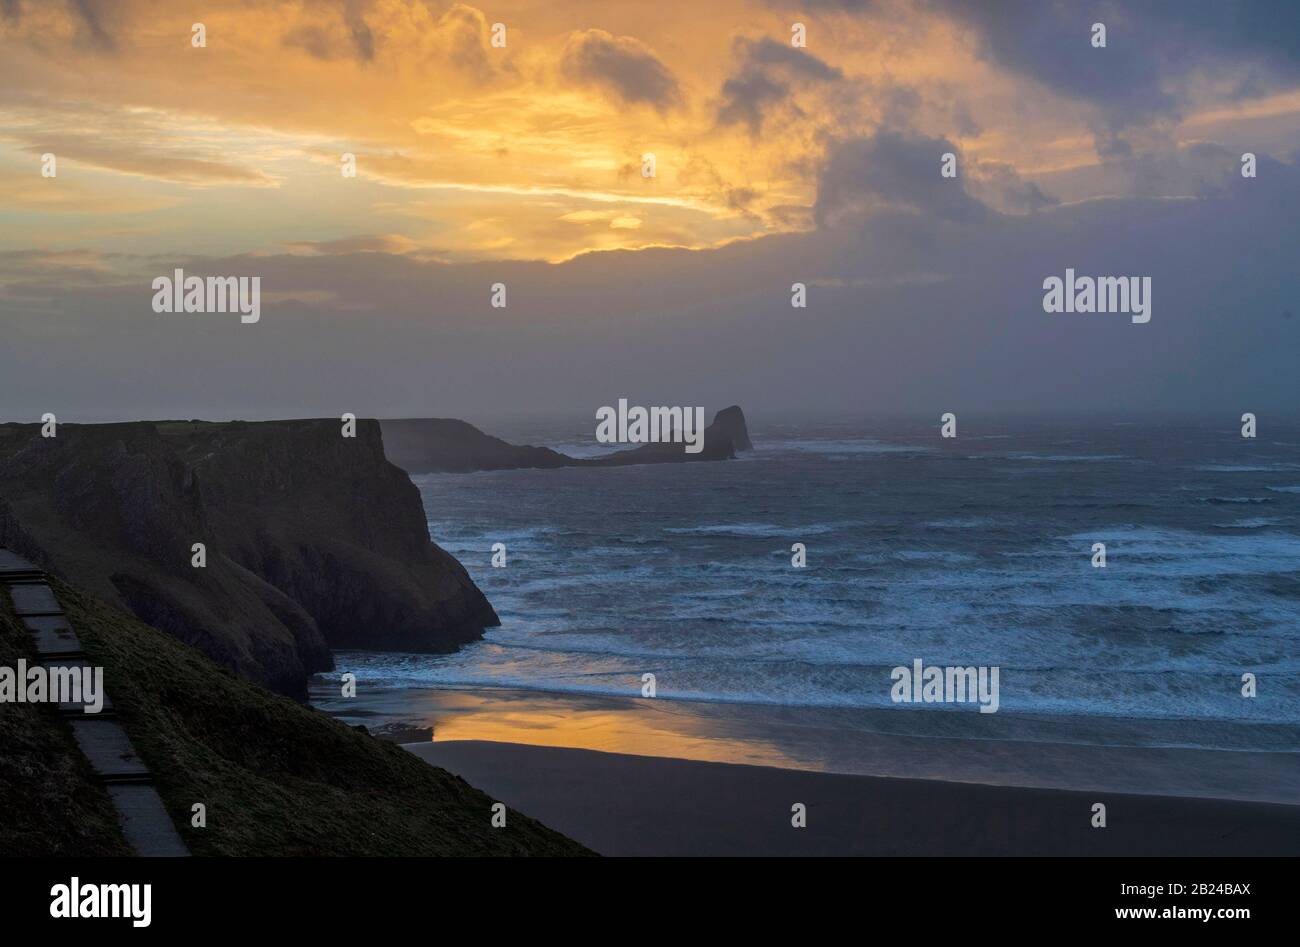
(730, 422)
(424, 445)
(442, 445)
(314, 541)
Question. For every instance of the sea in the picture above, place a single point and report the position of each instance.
(972, 551)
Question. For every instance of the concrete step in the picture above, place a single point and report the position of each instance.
(14, 566)
(53, 635)
(107, 747)
(77, 711)
(145, 822)
(34, 598)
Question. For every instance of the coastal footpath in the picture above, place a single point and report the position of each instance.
(273, 777)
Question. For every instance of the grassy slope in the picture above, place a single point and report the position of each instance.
(279, 778)
(49, 802)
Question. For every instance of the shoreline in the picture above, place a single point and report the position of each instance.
(965, 749)
(628, 805)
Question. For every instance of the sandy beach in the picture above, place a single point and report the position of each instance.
(622, 804)
(629, 776)
(654, 777)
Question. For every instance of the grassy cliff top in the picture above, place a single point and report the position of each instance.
(277, 777)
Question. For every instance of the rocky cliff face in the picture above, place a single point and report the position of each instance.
(444, 445)
(313, 541)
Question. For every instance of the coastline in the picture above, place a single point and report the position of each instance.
(1123, 756)
(626, 805)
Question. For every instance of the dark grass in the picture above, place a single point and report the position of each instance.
(278, 777)
(49, 801)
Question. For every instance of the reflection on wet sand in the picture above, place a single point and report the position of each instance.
(1116, 756)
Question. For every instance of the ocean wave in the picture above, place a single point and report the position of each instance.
(964, 522)
(930, 555)
(1156, 694)
(446, 535)
(755, 529)
(1063, 458)
(1246, 468)
(836, 446)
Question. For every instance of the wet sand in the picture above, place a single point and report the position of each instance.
(623, 804)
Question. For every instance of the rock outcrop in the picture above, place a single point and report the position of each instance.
(313, 541)
(730, 422)
(722, 439)
(424, 445)
(445, 445)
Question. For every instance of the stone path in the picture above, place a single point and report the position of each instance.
(102, 739)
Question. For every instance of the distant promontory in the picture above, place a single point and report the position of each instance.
(446, 445)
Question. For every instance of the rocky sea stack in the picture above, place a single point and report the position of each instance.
(730, 422)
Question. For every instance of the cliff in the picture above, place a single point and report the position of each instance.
(444, 445)
(314, 541)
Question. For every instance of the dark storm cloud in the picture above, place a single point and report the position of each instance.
(1148, 44)
(891, 171)
(764, 76)
(622, 65)
(1000, 186)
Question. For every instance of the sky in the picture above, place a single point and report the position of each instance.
(520, 162)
